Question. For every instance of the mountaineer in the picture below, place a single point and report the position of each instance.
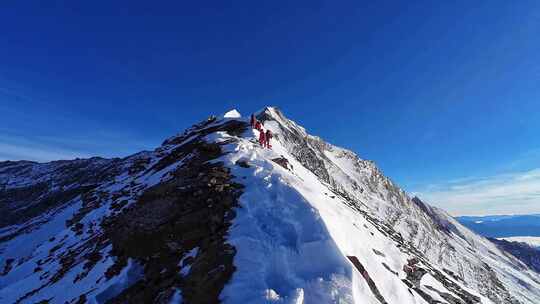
(268, 137)
(258, 125)
(253, 121)
(262, 139)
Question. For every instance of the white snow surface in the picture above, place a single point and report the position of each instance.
(432, 231)
(34, 247)
(293, 238)
(293, 233)
(232, 114)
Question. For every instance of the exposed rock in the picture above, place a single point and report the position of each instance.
(354, 260)
(192, 210)
(414, 272)
(47, 186)
(389, 269)
(242, 163)
(282, 161)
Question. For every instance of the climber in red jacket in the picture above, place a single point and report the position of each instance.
(268, 137)
(262, 138)
(258, 126)
(253, 121)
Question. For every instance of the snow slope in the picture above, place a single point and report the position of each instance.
(211, 213)
(293, 239)
(40, 251)
(440, 238)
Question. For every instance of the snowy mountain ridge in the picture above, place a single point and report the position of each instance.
(210, 216)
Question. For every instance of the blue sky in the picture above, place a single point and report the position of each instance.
(445, 97)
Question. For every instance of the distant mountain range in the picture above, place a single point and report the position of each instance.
(516, 234)
(502, 226)
(534, 241)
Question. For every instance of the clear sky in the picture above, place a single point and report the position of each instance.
(443, 95)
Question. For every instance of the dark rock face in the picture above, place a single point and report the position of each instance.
(192, 211)
(282, 161)
(414, 272)
(174, 232)
(372, 286)
(522, 251)
(28, 189)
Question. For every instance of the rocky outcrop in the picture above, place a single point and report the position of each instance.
(282, 161)
(414, 272)
(189, 213)
(354, 260)
(29, 189)
(169, 238)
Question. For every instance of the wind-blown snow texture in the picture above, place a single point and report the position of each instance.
(314, 224)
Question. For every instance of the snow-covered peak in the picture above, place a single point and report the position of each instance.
(430, 230)
(212, 216)
(232, 114)
(273, 114)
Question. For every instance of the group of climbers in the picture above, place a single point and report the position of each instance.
(264, 137)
